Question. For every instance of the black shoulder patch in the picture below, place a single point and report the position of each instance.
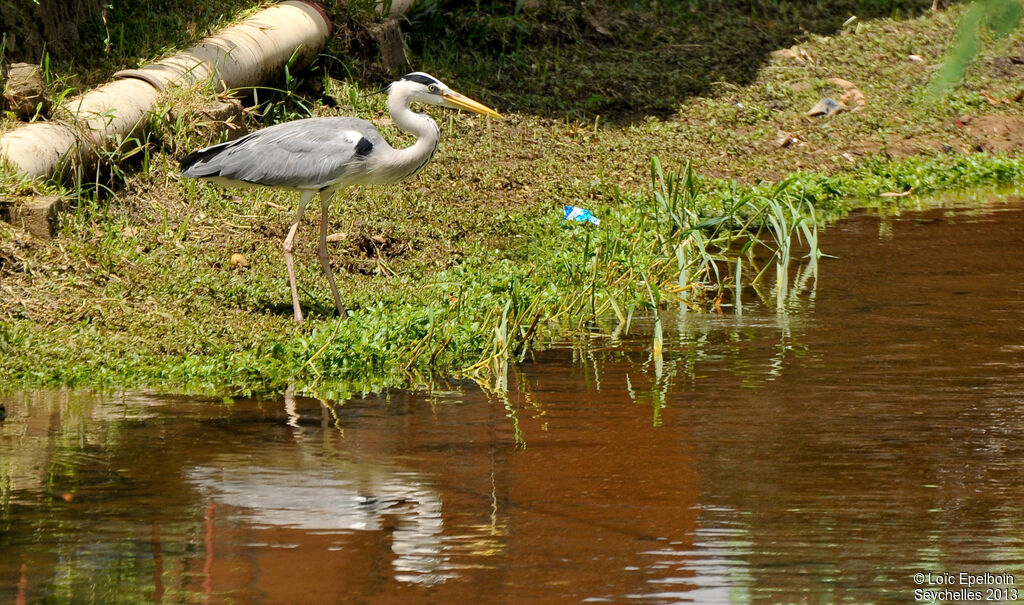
(363, 147)
(421, 78)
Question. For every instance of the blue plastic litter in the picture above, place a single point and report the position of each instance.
(580, 215)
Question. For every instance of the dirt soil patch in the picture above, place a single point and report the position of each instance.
(995, 133)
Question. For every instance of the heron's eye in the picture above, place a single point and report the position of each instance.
(432, 88)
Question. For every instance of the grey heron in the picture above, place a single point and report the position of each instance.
(324, 155)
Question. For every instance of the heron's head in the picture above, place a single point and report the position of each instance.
(425, 88)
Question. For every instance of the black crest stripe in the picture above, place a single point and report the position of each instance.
(420, 78)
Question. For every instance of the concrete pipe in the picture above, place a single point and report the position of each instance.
(245, 54)
(242, 55)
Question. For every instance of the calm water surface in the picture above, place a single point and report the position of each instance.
(829, 453)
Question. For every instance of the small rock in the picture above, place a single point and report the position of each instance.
(825, 108)
(227, 116)
(337, 237)
(841, 83)
(916, 58)
(212, 117)
(784, 53)
(592, 22)
(799, 54)
(994, 101)
(852, 96)
(786, 139)
(25, 90)
(38, 215)
(238, 261)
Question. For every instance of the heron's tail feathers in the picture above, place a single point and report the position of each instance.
(200, 163)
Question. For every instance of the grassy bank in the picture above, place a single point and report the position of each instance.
(692, 159)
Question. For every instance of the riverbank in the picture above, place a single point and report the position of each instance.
(469, 265)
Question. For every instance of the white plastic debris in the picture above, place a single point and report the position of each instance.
(580, 215)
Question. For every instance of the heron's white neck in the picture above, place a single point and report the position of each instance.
(412, 159)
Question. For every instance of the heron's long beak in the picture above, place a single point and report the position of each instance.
(463, 102)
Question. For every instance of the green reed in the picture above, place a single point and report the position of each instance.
(675, 243)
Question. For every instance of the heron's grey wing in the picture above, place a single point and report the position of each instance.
(304, 154)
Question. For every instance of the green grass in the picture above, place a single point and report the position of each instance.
(469, 266)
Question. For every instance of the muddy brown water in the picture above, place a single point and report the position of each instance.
(872, 432)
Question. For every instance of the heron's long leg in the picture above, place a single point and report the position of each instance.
(289, 248)
(325, 260)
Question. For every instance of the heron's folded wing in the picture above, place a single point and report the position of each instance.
(304, 154)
